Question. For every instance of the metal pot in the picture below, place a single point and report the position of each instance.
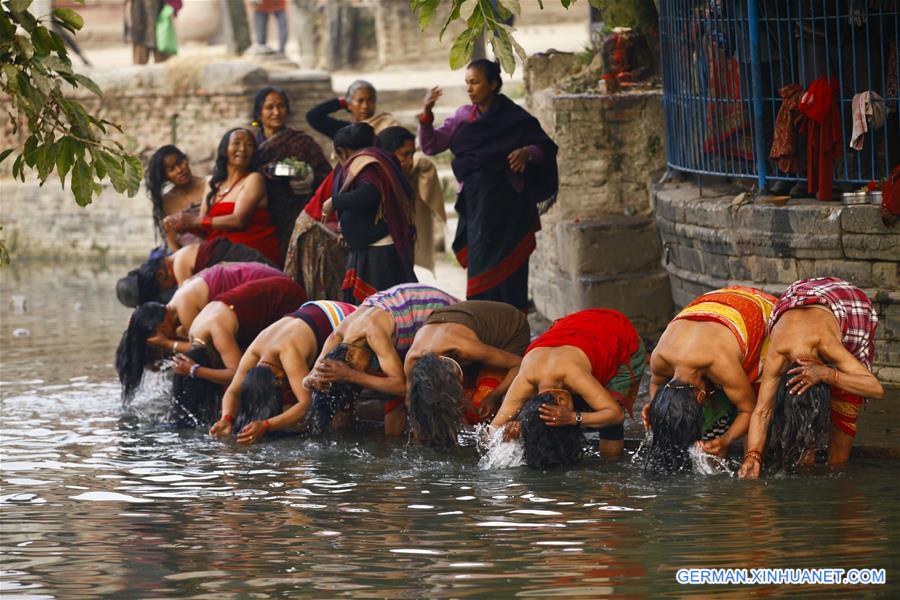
(854, 198)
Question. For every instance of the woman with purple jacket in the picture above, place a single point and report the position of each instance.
(506, 168)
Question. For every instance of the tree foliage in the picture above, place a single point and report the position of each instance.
(62, 135)
(488, 18)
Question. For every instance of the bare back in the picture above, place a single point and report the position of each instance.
(806, 332)
(704, 346)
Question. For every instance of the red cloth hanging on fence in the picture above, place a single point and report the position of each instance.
(823, 135)
(784, 143)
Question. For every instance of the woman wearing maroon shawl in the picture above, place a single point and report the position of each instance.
(506, 168)
(375, 207)
(278, 142)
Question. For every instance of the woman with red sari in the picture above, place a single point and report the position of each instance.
(236, 207)
(506, 168)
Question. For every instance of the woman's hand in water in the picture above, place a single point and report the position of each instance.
(252, 432)
(181, 364)
(808, 374)
(749, 468)
(645, 416)
(716, 446)
(220, 429)
(519, 159)
(512, 431)
(556, 415)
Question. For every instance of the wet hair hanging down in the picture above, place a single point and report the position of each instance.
(261, 398)
(548, 447)
(435, 394)
(799, 422)
(196, 402)
(339, 396)
(132, 354)
(676, 419)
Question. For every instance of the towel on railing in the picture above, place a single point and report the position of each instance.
(866, 108)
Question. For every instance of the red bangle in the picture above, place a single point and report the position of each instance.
(228, 418)
(342, 102)
(425, 119)
(266, 424)
(206, 223)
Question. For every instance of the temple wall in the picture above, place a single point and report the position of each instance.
(191, 105)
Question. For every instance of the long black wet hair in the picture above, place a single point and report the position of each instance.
(132, 355)
(354, 137)
(490, 69)
(220, 169)
(676, 419)
(339, 396)
(435, 394)
(799, 422)
(196, 402)
(260, 99)
(548, 447)
(155, 178)
(261, 398)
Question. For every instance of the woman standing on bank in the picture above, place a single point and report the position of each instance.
(506, 168)
(278, 142)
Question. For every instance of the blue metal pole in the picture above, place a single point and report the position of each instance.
(759, 140)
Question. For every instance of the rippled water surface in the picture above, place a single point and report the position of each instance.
(96, 503)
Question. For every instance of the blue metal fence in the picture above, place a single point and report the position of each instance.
(724, 62)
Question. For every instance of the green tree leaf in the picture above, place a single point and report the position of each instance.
(45, 160)
(19, 5)
(81, 182)
(65, 156)
(89, 84)
(70, 19)
(43, 42)
(5, 153)
(461, 51)
(512, 6)
(502, 48)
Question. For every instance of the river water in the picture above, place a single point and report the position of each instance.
(96, 503)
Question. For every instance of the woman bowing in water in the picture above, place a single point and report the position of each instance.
(506, 168)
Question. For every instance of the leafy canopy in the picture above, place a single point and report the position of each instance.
(486, 18)
(35, 72)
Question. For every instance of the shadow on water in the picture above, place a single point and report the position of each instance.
(100, 503)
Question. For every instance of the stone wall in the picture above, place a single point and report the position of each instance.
(189, 104)
(720, 239)
(598, 246)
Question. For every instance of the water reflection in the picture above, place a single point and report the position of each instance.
(97, 503)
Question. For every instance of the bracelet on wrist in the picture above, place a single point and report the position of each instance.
(425, 118)
(266, 425)
(206, 223)
(194, 368)
(175, 346)
(228, 418)
(578, 418)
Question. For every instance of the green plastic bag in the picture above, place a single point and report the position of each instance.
(166, 40)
